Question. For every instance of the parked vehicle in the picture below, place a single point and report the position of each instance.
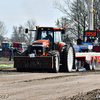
(20, 46)
(5, 48)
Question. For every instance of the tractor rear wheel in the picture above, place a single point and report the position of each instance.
(56, 59)
(68, 59)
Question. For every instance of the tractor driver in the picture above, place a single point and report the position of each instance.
(49, 36)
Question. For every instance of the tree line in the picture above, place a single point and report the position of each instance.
(76, 17)
(18, 34)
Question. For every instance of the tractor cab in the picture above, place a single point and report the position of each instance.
(52, 34)
(47, 39)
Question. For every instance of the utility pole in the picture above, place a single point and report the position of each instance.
(90, 7)
(78, 16)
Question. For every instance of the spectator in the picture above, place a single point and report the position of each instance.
(68, 40)
(10, 53)
(96, 41)
(88, 39)
(14, 51)
(79, 41)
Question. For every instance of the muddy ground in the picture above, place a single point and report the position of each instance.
(6, 61)
(83, 85)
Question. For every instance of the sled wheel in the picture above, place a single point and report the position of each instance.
(89, 66)
(94, 64)
(76, 65)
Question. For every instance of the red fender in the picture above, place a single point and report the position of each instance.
(60, 44)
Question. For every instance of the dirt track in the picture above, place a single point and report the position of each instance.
(48, 86)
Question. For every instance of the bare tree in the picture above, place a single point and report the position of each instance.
(77, 19)
(18, 34)
(76, 12)
(30, 24)
(96, 6)
(3, 31)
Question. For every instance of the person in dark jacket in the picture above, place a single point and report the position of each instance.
(88, 39)
(79, 41)
(14, 51)
(10, 53)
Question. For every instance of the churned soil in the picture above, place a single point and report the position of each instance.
(91, 95)
(83, 85)
(6, 61)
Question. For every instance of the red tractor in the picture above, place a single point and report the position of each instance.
(47, 52)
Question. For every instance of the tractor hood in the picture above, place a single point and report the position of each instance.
(43, 43)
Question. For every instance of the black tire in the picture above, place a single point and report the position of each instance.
(68, 59)
(74, 64)
(56, 60)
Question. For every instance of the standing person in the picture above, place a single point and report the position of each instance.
(10, 53)
(88, 39)
(79, 41)
(68, 40)
(14, 51)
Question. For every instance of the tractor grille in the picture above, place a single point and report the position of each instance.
(38, 50)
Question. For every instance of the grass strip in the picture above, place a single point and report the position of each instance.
(3, 58)
(5, 67)
(6, 64)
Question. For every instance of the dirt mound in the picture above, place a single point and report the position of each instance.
(91, 95)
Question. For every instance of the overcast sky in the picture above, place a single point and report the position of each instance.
(17, 12)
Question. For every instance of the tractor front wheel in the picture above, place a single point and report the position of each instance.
(56, 61)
